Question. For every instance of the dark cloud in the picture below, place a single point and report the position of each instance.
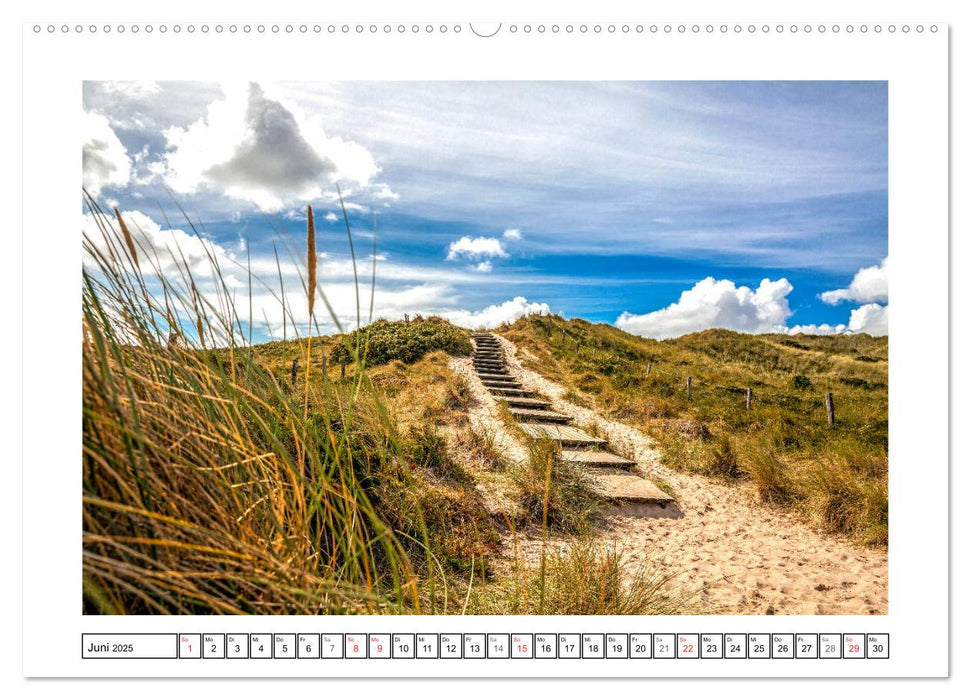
(274, 156)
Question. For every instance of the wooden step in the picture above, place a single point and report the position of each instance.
(504, 391)
(597, 458)
(528, 415)
(620, 486)
(493, 384)
(489, 365)
(485, 376)
(566, 435)
(525, 402)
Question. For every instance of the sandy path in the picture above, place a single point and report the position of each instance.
(744, 557)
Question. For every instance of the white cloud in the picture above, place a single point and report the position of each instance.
(870, 318)
(820, 329)
(169, 249)
(497, 314)
(722, 304)
(869, 284)
(254, 148)
(331, 216)
(105, 162)
(716, 304)
(484, 266)
(512, 234)
(130, 88)
(476, 248)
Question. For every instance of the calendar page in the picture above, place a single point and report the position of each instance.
(434, 347)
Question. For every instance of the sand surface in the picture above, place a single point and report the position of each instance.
(741, 556)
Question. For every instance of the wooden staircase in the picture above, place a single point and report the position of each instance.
(611, 472)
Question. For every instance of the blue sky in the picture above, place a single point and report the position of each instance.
(661, 207)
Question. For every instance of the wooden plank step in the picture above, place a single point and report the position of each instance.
(488, 365)
(525, 402)
(504, 391)
(566, 435)
(621, 486)
(488, 375)
(493, 384)
(598, 458)
(538, 415)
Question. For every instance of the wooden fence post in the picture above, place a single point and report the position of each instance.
(687, 386)
(293, 372)
(594, 352)
(649, 368)
(563, 337)
(406, 318)
(343, 366)
(748, 399)
(830, 409)
(323, 362)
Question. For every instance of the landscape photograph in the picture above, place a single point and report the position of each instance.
(485, 348)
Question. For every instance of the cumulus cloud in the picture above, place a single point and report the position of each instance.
(476, 248)
(168, 249)
(716, 304)
(870, 318)
(105, 162)
(869, 284)
(818, 329)
(723, 304)
(484, 266)
(497, 314)
(512, 234)
(255, 148)
(130, 88)
(331, 216)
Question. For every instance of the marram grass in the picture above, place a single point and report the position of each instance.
(209, 487)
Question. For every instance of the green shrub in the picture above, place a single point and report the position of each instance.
(385, 341)
(801, 381)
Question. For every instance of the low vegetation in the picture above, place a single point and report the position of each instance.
(784, 448)
(407, 341)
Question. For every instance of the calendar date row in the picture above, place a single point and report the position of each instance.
(447, 645)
